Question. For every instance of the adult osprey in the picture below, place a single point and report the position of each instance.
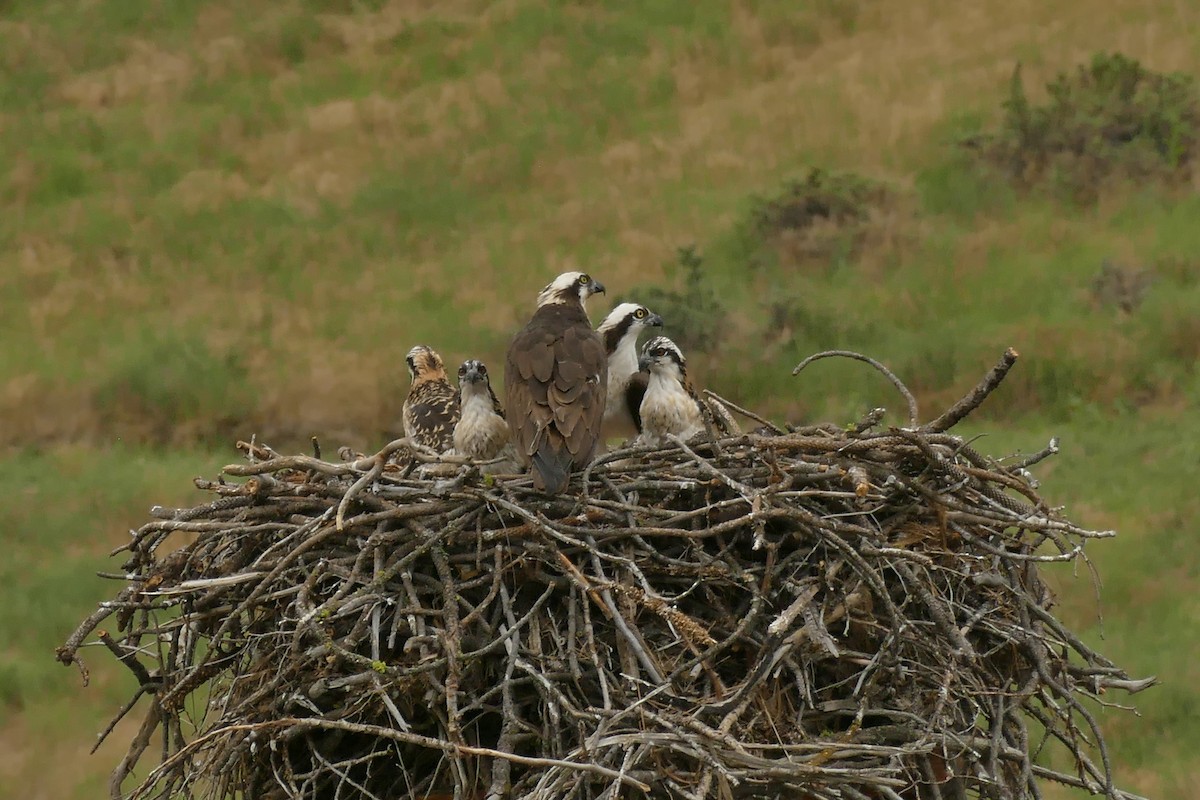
(670, 404)
(555, 383)
(431, 409)
(626, 385)
(482, 432)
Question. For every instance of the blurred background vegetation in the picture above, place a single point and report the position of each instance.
(224, 218)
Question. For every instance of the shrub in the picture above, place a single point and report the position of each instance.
(693, 314)
(1109, 118)
(822, 219)
(1119, 286)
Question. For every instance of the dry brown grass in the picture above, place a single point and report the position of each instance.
(149, 74)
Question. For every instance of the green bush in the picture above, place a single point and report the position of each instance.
(693, 315)
(1109, 118)
(823, 219)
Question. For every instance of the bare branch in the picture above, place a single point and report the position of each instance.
(975, 397)
(899, 384)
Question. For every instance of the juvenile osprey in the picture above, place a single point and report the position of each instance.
(431, 408)
(482, 432)
(670, 404)
(555, 383)
(626, 385)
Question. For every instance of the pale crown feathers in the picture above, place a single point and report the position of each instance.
(570, 287)
(623, 324)
(424, 363)
(662, 355)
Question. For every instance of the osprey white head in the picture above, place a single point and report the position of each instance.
(570, 287)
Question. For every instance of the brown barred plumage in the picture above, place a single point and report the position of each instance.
(431, 409)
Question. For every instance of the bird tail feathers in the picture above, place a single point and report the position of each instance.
(551, 469)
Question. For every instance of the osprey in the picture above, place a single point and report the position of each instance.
(482, 432)
(555, 383)
(431, 408)
(626, 385)
(670, 404)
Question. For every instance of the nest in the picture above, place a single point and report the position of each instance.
(820, 612)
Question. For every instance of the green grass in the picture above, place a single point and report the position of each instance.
(117, 142)
(65, 509)
(229, 218)
(1121, 471)
(70, 504)
(945, 313)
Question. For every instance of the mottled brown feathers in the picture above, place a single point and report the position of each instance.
(635, 392)
(555, 385)
(431, 409)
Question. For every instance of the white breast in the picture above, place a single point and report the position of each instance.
(618, 422)
(481, 433)
(668, 409)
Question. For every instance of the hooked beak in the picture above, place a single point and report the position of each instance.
(597, 287)
(654, 320)
(643, 363)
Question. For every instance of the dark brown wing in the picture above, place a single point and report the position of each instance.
(499, 409)
(555, 382)
(577, 391)
(706, 414)
(530, 355)
(691, 392)
(634, 392)
(430, 414)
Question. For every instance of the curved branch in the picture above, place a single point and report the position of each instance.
(891, 376)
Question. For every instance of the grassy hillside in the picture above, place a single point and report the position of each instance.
(222, 218)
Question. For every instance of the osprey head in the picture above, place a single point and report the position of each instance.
(626, 320)
(424, 364)
(570, 287)
(660, 354)
(472, 371)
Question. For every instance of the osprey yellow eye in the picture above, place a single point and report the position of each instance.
(640, 314)
(585, 278)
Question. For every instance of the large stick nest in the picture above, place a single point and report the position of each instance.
(805, 613)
